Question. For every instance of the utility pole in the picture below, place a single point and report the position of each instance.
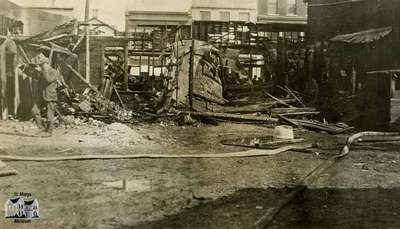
(87, 8)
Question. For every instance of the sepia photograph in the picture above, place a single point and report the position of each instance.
(199, 114)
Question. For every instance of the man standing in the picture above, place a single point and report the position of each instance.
(47, 87)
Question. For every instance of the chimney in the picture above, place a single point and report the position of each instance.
(53, 3)
(95, 13)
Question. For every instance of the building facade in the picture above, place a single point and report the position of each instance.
(228, 10)
(142, 13)
(136, 19)
(283, 15)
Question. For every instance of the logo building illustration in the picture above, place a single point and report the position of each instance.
(18, 208)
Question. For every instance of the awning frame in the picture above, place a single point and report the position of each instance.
(363, 37)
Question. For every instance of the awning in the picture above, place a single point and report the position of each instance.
(365, 36)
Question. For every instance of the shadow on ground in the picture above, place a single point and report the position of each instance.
(317, 208)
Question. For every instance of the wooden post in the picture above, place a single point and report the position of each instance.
(126, 68)
(87, 41)
(51, 55)
(191, 74)
(177, 69)
(353, 80)
(281, 63)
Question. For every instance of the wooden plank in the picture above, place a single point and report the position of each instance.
(24, 55)
(78, 42)
(253, 108)
(305, 113)
(293, 110)
(80, 77)
(332, 129)
(286, 89)
(119, 97)
(210, 99)
(227, 116)
(55, 37)
(56, 49)
(279, 100)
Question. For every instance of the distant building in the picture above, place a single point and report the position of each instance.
(283, 15)
(156, 13)
(31, 21)
(136, 19)
(227, 10)
(98, 28)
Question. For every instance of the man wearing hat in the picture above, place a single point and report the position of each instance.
(46, 92)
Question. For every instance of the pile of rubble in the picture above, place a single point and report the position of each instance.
(199, 81)
(117, 133)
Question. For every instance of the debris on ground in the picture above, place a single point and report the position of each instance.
(121, 135)
(204, 82)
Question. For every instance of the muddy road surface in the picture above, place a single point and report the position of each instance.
(197, 193)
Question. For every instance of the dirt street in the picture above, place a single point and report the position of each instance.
(195, 193)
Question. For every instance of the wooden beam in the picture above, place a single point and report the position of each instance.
(78, 43)
(226, 116)
(286, 89)
(279, 100)
(80, 77)
(56, 37)
(119, 97)
(24, 55)
(56, 49)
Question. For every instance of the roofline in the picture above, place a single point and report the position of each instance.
(334, 3)
(223, 8)
(50, 8)
(158, 12)
(103, 23)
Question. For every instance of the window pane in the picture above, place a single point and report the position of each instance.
(225, 16)
(205, 15)
(244, 17)
(292, 7)
(272, 7)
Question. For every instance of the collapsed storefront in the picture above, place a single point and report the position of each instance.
(182, 76)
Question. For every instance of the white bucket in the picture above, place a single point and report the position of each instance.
(283, 132)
